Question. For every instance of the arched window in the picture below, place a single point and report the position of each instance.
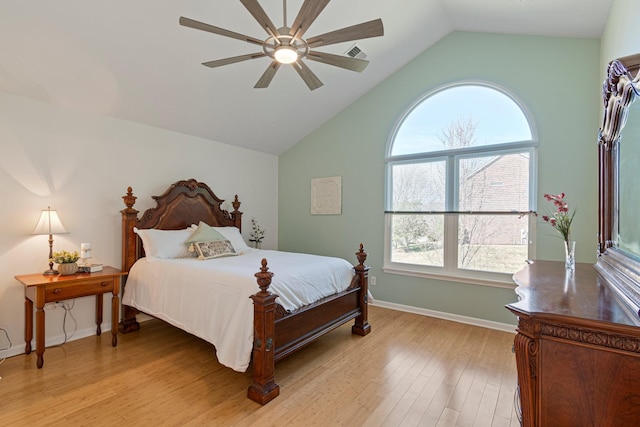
(460, 174)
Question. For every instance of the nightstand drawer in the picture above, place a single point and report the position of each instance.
(63, 291)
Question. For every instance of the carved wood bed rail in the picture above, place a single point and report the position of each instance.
(277, 332)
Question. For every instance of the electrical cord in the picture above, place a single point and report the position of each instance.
(5, 348)
(67, 310)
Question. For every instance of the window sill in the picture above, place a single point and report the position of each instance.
(506, 283)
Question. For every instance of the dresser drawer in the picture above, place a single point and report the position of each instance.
(62, 291)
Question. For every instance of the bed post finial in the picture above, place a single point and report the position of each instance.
(236, 215)
(129, 219)
(264, 277)
(362, 255)
(129, 198)
(235, 203)
(362, 326)
(264, 387)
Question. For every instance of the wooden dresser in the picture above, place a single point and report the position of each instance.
(577, 349)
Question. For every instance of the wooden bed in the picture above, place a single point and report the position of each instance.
(277, 333)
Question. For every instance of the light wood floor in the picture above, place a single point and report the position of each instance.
(410, 371)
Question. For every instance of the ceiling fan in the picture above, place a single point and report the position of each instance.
(286, 45)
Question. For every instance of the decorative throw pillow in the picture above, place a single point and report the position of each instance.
(214, 249)
(204, 233)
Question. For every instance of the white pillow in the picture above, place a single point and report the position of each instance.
(232, 234)
(164, 244)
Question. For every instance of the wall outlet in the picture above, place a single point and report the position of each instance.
(372, 280)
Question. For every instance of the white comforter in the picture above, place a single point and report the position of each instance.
(210, 299)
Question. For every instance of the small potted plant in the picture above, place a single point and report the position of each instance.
(67, 262)
(257, 233)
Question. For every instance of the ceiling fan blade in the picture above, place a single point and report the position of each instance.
(233, 59)
(308, 13)
(353, 64)
(266, 78)
(187, 22)
(260, 15)
(355, 32)
(307, 75)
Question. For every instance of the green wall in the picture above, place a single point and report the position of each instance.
(620, 37)
(559, 81)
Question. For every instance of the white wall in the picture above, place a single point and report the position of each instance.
(81, 164)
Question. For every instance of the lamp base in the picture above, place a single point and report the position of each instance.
(50, 271)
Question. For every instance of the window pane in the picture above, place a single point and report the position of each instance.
(419, 186)
(417, 239)
(495, 118)
(496, 243)
(495, 183)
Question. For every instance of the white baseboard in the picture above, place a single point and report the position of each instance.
(17, 346)
(506, 327)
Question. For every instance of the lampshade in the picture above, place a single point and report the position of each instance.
(285, 55)
(49, 223)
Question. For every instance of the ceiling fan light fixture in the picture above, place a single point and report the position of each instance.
(288, 44)
(285, 54)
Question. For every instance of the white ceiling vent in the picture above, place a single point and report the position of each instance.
(356, 52)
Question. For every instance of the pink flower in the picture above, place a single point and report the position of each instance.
(561, 219)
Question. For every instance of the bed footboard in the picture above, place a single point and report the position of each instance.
(275, 338)
(264, 387)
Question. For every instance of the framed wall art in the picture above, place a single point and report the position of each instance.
(326, 196)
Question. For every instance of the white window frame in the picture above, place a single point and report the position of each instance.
(450, 270)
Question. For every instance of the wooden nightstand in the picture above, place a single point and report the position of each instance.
(40, 289)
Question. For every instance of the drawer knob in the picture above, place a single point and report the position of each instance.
(105, 283)
(57, 290)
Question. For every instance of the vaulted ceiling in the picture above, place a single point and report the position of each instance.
(130, 59)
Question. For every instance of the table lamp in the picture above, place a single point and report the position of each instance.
(50, 224)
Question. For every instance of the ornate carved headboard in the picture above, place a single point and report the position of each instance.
(182, 204)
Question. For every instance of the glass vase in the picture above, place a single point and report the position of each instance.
(570, 254)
